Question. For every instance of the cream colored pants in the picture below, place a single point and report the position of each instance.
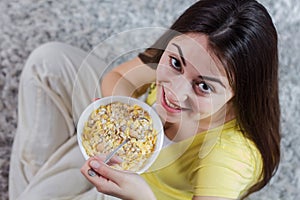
(57, 83)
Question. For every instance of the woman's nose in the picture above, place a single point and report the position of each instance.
(180, 88)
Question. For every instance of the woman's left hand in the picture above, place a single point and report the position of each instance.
(121, 184)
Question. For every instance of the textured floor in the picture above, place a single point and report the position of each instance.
(26, 24)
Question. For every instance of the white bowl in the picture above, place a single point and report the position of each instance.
(157, 124)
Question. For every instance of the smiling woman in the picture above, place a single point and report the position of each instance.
(208, 87)
(222, 135)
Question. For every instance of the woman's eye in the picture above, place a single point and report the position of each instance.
(204, 88)
(175, 63)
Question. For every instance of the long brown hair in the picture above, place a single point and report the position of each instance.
(242, 35)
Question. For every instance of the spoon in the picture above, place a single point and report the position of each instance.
(111, 154)
(92, 173)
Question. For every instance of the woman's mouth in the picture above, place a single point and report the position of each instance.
(168, 105)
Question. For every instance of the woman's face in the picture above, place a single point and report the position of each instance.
(191, 82)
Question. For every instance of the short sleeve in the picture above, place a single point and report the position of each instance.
(228, 171)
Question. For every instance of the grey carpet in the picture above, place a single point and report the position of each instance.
(26, 24)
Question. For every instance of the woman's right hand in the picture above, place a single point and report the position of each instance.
(121, 184)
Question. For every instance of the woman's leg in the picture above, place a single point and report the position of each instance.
(45, 157)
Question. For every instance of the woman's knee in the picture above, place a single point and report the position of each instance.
(53, 59)
(46, 51)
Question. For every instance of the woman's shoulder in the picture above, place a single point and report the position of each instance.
(237, 143)
(232, 164)
(234, 150)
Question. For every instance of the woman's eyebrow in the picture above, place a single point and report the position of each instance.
(212, 79)
(180, 53)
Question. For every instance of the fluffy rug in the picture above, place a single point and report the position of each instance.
(26, 24)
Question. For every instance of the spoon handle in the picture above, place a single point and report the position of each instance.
(111, 154)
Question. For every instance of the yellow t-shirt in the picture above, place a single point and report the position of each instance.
(220, 162)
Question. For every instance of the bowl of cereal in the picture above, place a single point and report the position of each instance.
(109, 121)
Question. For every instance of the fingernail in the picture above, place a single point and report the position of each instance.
(94, 164)
(118, 159)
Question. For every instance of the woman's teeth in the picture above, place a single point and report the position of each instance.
(170, 104)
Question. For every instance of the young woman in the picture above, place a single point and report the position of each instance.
(213, 80)
(217, 67)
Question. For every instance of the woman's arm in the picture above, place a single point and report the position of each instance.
(127, 79)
